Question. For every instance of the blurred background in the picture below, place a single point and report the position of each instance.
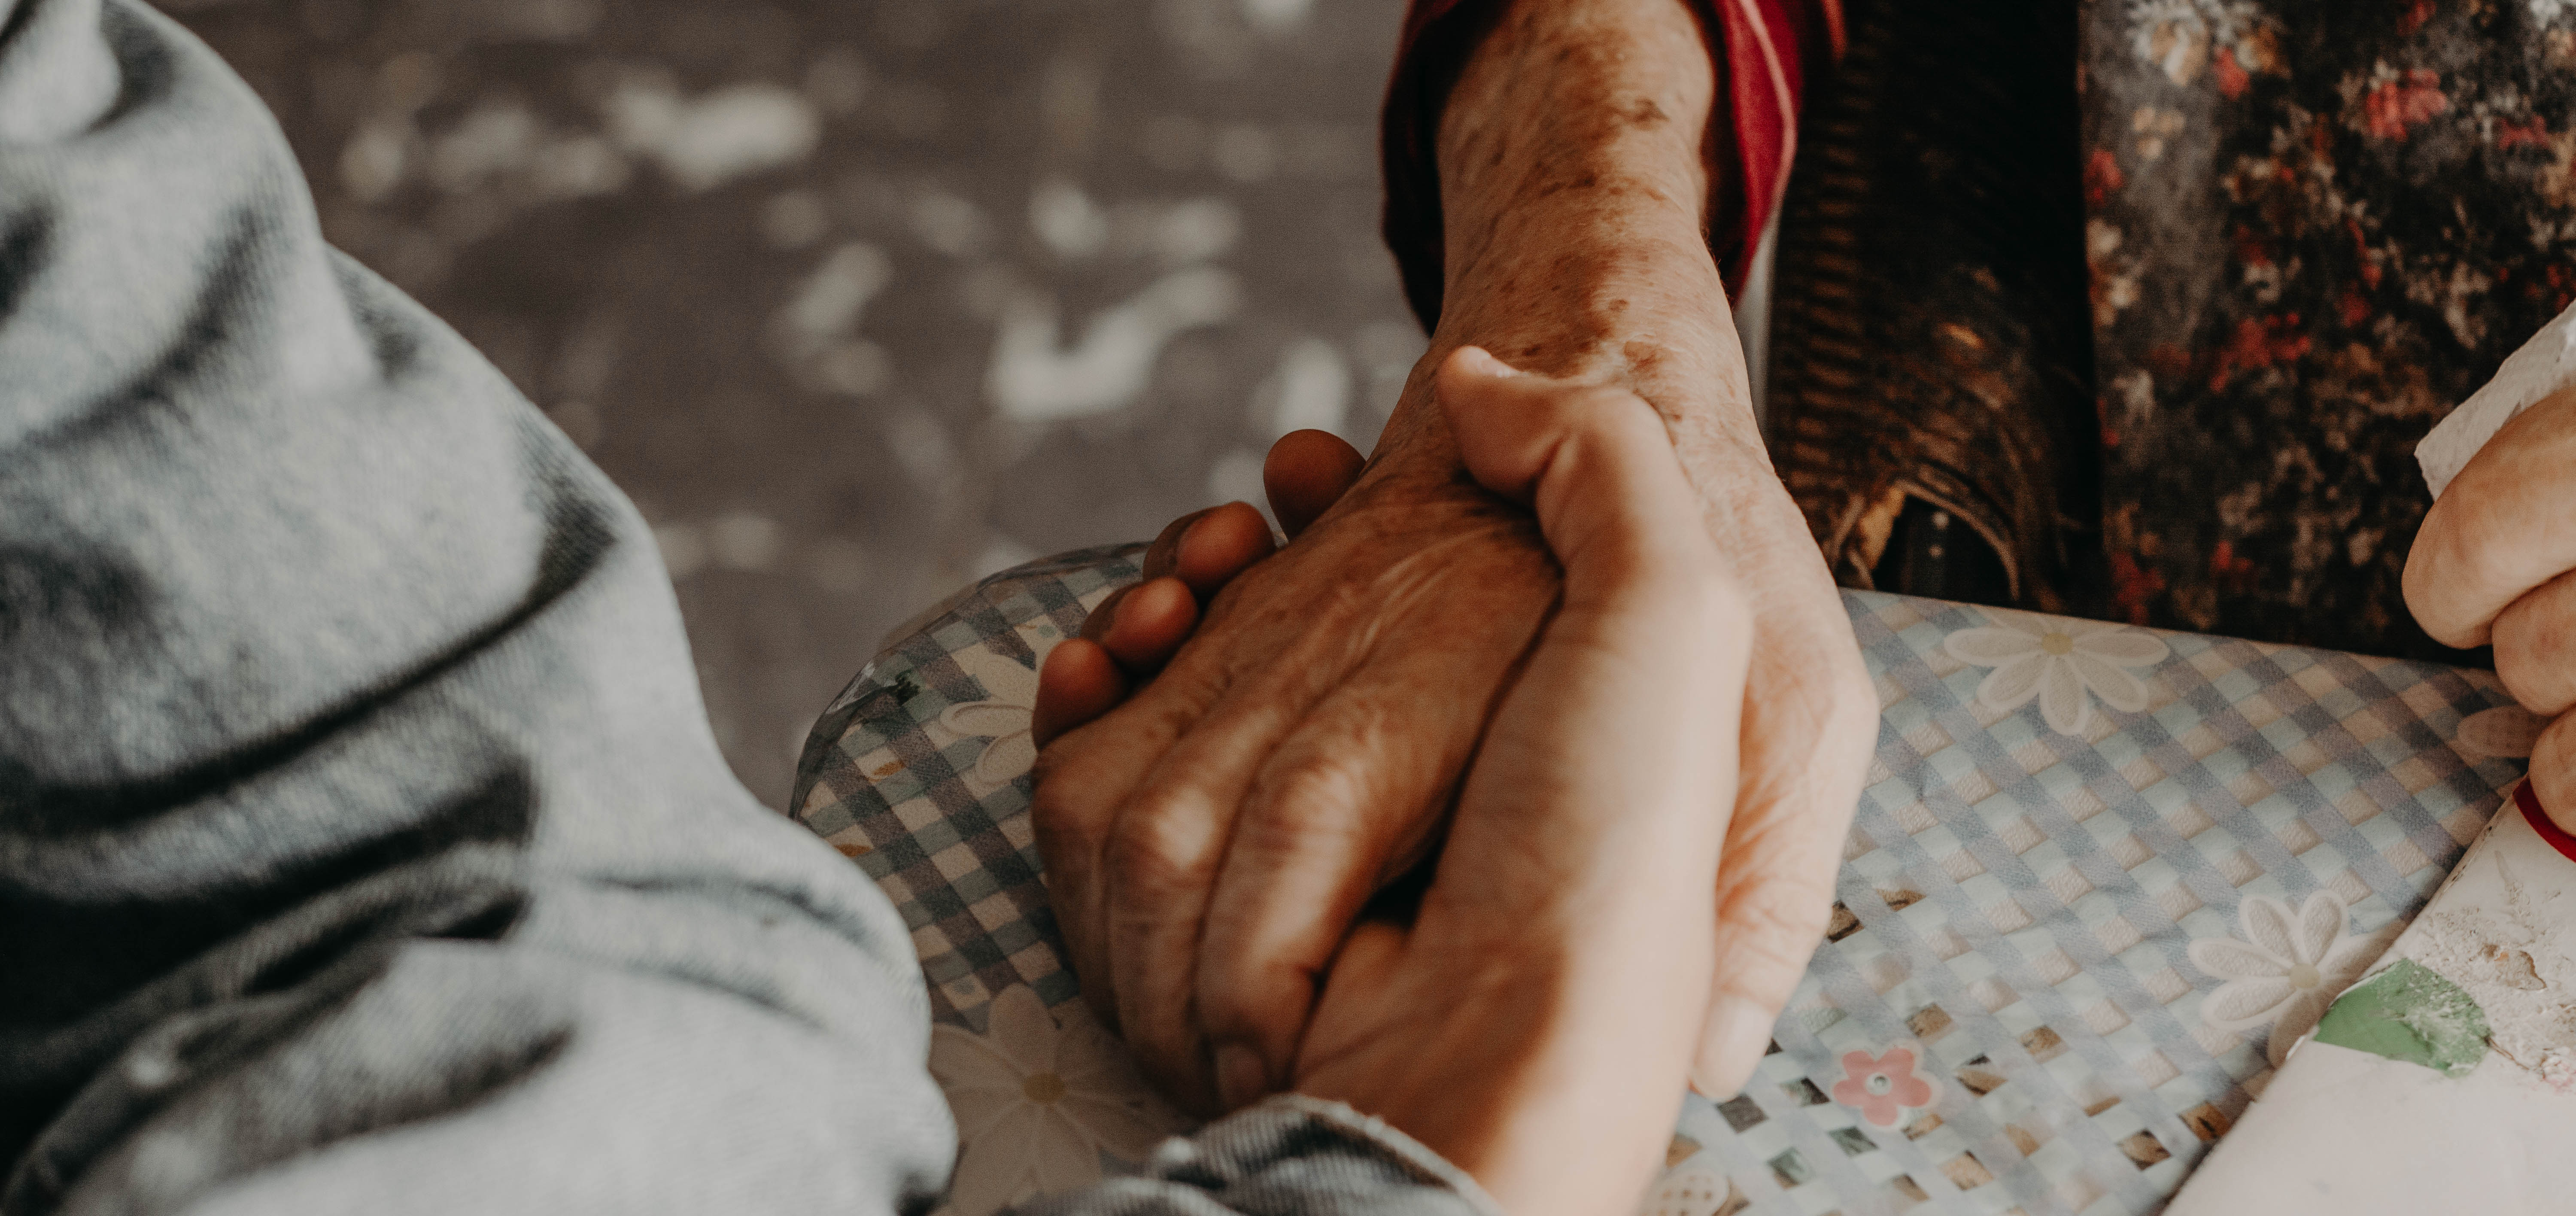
(862, 299)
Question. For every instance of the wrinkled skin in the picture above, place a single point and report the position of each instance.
(1210, 841)
(1566, 908)
(2496, 563)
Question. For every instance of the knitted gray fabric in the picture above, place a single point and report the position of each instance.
(362, 842)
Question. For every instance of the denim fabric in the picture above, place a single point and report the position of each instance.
(362, 842)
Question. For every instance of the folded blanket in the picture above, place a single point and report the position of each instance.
(2076, 931)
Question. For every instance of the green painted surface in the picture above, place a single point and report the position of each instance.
(2409, 1013)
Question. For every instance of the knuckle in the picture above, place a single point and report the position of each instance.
(2460, 562)
(1068, 846)
(1781, 903)
(1324, 791)
(1163, 844)
(1322, 806)
(1769, 928)
(2524, 662)
(1241, 997)
(1067, 782)
(1778, 908)
(2533, 654)
(1056, 793)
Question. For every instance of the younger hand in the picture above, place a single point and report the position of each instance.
(1537, 1021)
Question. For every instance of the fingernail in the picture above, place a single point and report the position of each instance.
(1730, 1045)
(1241, 1077)
(1488, 364)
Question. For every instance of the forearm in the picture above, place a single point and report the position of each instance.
(1574, 189)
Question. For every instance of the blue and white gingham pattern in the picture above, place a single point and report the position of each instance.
(2015, 904)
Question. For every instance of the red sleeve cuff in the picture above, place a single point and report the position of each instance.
(1769, 50)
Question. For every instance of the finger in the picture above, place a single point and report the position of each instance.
(1588, 834)
(1224, 542)
(1345, 804)
(1162, 555)
(1071, 814)
(1078, 683)
(2553, 771)
(1085, 780)
(1084, 786)
(1305, 474)
(1775, 894)
(1810, 720)
(1153, 620)
(2535, 647)
(2501, 529)
(1104, 615)
(1647, 659)
(1597, 479)
(1212, 556)
(1160, 861)
(1595, 464)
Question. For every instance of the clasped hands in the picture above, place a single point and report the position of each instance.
(1611, 902)
(1217, 816)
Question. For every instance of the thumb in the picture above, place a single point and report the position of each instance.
(1590, 823)
(1618, 739)
(1594, 463)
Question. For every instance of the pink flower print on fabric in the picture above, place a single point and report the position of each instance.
(1882, 1087)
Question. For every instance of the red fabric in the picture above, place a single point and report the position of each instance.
(1769, 48)
(2540, 822)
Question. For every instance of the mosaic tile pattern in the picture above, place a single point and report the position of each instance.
(2016, 904)
(820, 282)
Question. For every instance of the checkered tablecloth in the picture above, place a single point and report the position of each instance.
(2006, 1016)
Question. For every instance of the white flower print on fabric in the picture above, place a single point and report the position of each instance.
(2287, 969)
(1037, 1105)
(1692, 1190)
(2058, 660)
(1003, 717)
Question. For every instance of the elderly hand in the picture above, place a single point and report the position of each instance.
(1210, 842)
(1535, 1020)
(2496, 562)
(1779, 855)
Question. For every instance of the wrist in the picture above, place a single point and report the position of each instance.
(1549, 1105)
(1574, 188)
(1597, 296)
(1587, 103)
